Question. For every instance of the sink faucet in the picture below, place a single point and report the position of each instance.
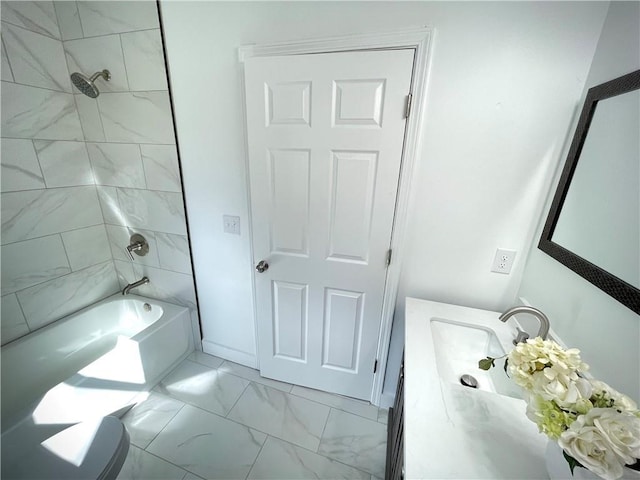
(542, 318)
(128, 288)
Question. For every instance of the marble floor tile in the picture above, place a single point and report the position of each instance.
(294, 419)
(204, 387)
(355, 441)
(383, 415)
(202, 358)
(148, 418)
(208, 445)
(281, 460)
(351, 405)
(141, 465)
(253, 375)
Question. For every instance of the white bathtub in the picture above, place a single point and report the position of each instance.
(95, 362)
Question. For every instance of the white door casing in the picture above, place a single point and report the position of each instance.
(325, 140)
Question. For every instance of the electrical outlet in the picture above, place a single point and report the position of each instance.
(231, 224)
(503, 261)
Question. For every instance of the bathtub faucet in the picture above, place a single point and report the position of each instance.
(128, 288)
(542, 318)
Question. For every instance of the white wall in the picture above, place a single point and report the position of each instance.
(504, 82)
(583, 316)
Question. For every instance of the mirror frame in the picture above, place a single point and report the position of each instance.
(622, 291)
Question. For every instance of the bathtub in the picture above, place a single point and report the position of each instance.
(96, 362)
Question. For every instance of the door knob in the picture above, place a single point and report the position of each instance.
(262, 266)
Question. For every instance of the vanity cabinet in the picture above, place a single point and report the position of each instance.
(395, 430)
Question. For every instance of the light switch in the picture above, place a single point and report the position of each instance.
(231, 224)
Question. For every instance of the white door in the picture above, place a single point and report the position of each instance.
(325, 138)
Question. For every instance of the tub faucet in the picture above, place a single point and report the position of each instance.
(128, 288)
(542, 318)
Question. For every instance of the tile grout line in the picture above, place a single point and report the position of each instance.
(323, 430)
(162, 429)
(257, 456)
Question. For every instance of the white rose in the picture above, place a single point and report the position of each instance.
(621, 429)
(588, 446)
(603, 440)
(565, 389)
(621, 401)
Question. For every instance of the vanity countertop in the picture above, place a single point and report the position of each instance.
(456, 432)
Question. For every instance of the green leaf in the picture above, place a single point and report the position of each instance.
(486, 363)
(573, 463)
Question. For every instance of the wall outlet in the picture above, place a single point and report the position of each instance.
(503, 261)
(231, 224)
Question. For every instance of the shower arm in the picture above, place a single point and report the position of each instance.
(104, 74)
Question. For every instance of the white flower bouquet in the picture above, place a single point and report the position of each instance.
(597, 427)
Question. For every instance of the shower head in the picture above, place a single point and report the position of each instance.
(86, 85)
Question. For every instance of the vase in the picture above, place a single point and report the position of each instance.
(558, 468)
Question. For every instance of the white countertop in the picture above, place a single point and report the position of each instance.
(457, 432)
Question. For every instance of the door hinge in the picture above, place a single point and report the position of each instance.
(389, 257)
(407, 109)
(375, 366)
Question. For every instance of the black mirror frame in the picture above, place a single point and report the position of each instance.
(622, 291)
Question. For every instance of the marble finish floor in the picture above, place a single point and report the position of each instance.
(214, 419)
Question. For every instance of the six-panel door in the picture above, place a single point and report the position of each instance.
(325, 138)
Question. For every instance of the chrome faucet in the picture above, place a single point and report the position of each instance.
(128, 288)
(542, 318)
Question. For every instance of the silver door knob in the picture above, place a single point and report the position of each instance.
(262, 266)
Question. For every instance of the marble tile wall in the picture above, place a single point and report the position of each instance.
(80, 175)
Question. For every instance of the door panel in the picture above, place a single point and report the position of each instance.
(325, 138)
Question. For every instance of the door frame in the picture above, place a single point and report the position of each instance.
(420, 41)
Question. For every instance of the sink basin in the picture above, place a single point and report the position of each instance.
(459, 346)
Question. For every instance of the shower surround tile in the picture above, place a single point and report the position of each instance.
(36, 213)
(203, 387)
(117, 164)
(165, 285)
(144, 59)
(161, 167)
(31, 262)
(68, 20)
(208, 445)
(147, 209)
(20, 167)
(37, 16)
(6, 68)
(64, 163)
(13, 323)
(138, 117)
(355, 441)
(104, 17)
(86, 247)
(36, 60)
(89, 118)
(282, 415)
(142, 465)
(30, 112)
(91, 55)
(110, 206)
(279, 460)
(57, 298)
(120, 238)
(173, 251)
(148, 418)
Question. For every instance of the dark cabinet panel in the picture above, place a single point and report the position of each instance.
(395, 431)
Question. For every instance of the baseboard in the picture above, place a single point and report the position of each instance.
(231, 354)
(386, 400)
